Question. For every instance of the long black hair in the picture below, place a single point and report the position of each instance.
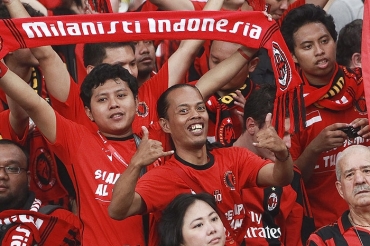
(172, 220)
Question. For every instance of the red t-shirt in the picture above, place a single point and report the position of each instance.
(228, 172)
(73, 108)
(320, 187)
(6, 130)
(148, 95)
(94, 172)
(276, 214)
(45, 176)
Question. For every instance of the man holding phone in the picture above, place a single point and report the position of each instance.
(335, 107)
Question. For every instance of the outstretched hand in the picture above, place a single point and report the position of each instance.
(149, 150)
(268, 138)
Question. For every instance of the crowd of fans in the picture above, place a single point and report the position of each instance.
(187, 142)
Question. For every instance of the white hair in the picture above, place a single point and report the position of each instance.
(350, 151)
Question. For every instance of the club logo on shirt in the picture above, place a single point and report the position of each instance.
(282, 66)
(43, 170)
(229, 180)
(360, 106)
(142, 109)
(272, 201)
(226, 132)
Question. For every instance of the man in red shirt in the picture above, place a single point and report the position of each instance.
(94, 159)
(222, 172)
(334, 98)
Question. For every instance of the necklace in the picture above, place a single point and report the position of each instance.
(354, 226)
(350, 217)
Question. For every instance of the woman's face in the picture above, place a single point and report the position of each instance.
(202, 226)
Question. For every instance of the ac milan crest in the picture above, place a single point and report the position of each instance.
(282, 66)
(229, 180)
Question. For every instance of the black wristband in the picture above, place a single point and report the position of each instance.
(285, 159)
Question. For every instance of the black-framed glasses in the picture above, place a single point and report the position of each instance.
(13, 170)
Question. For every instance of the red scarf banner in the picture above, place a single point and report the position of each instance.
(30, 228)
(251, 29)
(365, 52)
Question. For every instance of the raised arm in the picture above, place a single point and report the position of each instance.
(56, 75)
(279, 173)
(221, 74)
(180, 61)
(35, 106)
(37, 5)
(18, 118)
(125, 201)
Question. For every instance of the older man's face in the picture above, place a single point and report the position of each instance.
(354, 184)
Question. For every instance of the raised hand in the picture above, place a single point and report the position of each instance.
(148, 151)
(268, 138)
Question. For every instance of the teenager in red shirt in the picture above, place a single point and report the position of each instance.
(93, 159)
(334, 98)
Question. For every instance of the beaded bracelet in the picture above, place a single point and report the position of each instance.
(244, 54)
(285, 159)
(3, 69)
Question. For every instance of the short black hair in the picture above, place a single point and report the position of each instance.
(349, 42)
(172, 220)
(259, 104)
(163, 104)
(4, 141)
(302, 15)
(95, 53)
(100, 74)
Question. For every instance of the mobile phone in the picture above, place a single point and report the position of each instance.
(350, 131)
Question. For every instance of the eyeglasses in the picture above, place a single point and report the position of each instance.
(13, 170)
